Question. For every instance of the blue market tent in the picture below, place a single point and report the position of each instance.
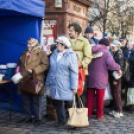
(19, 20)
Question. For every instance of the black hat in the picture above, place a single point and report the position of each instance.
(122, 38)
(89, 30)
(104, 41)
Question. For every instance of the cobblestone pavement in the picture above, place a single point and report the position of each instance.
(108, 125)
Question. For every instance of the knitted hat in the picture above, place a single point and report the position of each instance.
(89, 30)
(104, 41)
(64, 40)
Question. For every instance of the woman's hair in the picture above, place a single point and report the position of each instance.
(64, 46)
(76, 26)
(111, 39)
(29, 39)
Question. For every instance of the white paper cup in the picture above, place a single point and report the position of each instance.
(116, 75)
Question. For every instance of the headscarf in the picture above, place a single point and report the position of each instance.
(35, 45)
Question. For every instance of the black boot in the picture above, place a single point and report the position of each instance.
(37, 123)
(25, 120)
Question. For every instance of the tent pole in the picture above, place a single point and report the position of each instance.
(41, 32)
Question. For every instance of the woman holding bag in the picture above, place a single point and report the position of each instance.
(33, 61)
(62, 78)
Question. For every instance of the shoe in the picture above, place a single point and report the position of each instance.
(121, 114)
(117, 115)
(37, 123)
(60, 124)
(25, 120)
(112, 112)
(99, 118)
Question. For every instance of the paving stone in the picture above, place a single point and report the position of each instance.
(66, 133)
(108, 126)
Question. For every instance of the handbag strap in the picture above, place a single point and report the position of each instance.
(74, 103)
(34, 76)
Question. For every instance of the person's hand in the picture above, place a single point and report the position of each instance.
(74, 91)
(79, 64)
(120, 72)
(48, 91)
(30, 71)
(114, 82)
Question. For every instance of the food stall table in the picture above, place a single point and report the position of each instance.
(10, 91)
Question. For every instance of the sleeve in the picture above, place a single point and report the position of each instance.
(43, 66)
(111, 63)
(96, 48)
(87, 54)
(121, 61)
(131, 60)
(73, 71)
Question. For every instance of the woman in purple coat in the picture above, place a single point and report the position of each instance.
(98, 77)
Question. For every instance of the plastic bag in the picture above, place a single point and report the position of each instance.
(108, 95)
(130, 96)
(81, 81)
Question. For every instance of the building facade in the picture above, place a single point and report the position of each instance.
(60, 13)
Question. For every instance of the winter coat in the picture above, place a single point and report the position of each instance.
(124, 50)
(83, 48)
(98, 68)
(119, 59)
(95, 40)
(62, 77)
(130, 83)
(38, 62)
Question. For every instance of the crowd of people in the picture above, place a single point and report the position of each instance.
(99, 58)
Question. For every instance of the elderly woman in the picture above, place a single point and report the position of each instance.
(62, 79)
(98, 77)
(116, 83)
(33, 60)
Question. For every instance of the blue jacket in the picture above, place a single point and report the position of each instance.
(96, 41)
(63, 75)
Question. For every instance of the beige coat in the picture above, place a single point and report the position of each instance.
(38, 62)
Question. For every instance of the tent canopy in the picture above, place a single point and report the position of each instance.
(19, 20)
(28, 7)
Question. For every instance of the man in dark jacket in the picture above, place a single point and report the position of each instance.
(123, 41)
(89, 34)
(116, 83)
(130, 83)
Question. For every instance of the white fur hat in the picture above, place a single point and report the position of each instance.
(64, 40)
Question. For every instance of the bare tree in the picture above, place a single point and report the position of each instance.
(113, 16)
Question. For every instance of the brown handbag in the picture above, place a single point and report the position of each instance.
(31, 86)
